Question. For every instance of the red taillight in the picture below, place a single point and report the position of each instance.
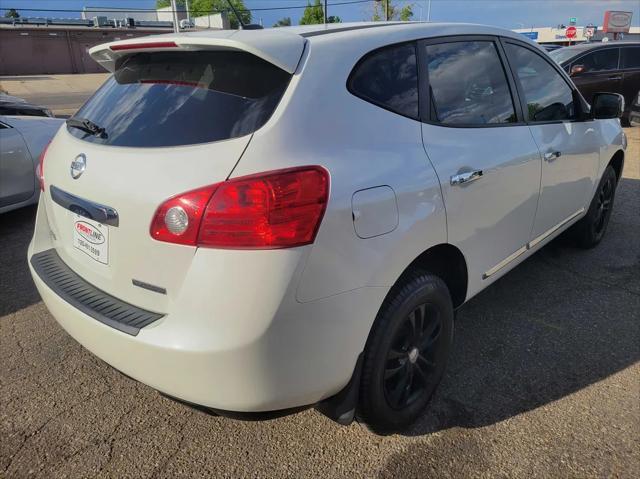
(193, 204)
(142, 46)
(40, 168)
(279, 209)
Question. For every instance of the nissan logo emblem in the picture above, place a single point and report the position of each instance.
(78, 165)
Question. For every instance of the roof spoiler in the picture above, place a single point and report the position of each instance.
(279, 48)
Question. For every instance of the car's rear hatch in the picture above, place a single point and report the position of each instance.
(171, 119)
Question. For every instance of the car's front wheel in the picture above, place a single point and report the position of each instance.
(406, 353)
(590, 230)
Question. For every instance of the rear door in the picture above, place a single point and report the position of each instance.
(569, 146)
(599, 72)
(630, 68)
(483, 152)
(169, 122)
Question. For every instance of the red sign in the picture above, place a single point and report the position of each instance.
(617, 22)
(571, 32)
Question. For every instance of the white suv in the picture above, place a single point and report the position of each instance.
(260, 221)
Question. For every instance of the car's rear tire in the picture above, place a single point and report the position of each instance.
(406, 353)
(590, 230)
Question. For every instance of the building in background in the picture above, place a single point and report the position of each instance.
(218, 20)
(616, 25)
(557, 35)
(88, 13)
(165, 14)
(36, 45)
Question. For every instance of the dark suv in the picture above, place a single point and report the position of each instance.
(610, 67)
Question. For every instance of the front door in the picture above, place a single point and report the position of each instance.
(483, 152)
(630, 68)
(569, 148)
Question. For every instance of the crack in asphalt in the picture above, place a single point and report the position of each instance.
(45, 424)
(109, 440)
(161, 468)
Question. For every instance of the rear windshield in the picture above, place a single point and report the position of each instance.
(183, 98)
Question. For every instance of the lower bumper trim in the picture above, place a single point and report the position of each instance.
(85, 297)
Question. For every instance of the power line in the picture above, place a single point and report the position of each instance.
(146, 10)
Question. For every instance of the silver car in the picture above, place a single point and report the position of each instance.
(22, 139)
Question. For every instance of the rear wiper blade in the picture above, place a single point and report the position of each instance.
(86, 125)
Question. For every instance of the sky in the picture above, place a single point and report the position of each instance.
(503, 13)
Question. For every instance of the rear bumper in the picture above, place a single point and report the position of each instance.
(268, 352)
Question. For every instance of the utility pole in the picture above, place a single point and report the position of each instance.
(386, 9)
(174, 9)
(325, 12)
(186, 4)
(429, 12)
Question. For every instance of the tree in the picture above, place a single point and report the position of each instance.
(380, 7)
(406, 13)
(11, 13)
(314, 14)
(199, 8)
(167, 3)
(283, 22)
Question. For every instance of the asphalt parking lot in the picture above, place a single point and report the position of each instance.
(544, 382)
(62, 94)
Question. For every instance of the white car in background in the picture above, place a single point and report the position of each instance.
(22, 139)
(256, 222)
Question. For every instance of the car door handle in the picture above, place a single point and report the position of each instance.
(615, 77)
(467, 177)
(552, 155)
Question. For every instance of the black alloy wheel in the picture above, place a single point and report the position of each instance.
(406, 353)
(412, 360)
(590, 230)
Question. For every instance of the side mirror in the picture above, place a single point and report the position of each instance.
(607, 105)
(576, 70)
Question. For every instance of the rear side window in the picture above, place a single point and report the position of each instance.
(389, 78)
(600, 60)
(548, 96)
(468, 84)
(630, 57)
(183, 98)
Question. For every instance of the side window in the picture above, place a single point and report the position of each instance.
(389, 78)
(468, 84)
(630, 57)
(548, 96)
(600, 60)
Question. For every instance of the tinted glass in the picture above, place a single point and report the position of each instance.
(600, 60)
(631, 57)
(561, 55)
(389, 78)
(548, 96)
(171, 99)
(26, 112)
(468, 84)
